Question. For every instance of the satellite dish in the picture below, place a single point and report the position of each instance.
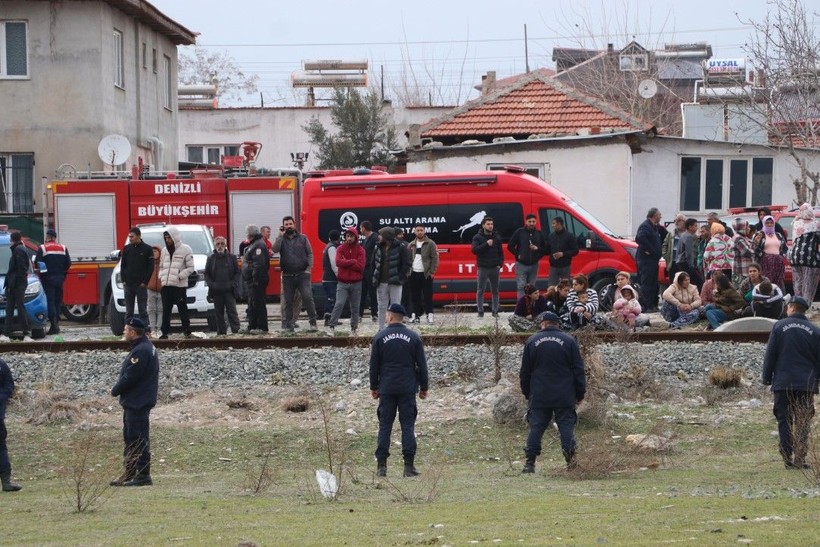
(114, 150)
(647, 89)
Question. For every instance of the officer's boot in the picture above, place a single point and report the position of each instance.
(409, 468)
(529, 465)
(381, 467)
(572, 462)
(53, 329)
(8, 485)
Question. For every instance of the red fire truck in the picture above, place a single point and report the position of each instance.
(93, 214)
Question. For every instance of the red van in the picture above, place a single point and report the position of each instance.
(451, 206)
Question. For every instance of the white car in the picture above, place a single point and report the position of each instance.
(200, 240)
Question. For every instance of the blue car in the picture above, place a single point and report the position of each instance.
(36, 304)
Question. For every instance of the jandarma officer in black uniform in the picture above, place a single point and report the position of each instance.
(554, 383)
(398, 369)
(137, 390)
(6, 390)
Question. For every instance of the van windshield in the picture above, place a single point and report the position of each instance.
(196, 239)
(5, 255)
(588, 218)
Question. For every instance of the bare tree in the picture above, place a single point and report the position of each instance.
(200, 66)
(786, 50)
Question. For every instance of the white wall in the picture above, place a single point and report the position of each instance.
(278, 129)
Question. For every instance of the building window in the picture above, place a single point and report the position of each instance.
(144, 55)
(703, 188)
(119, 58)
(168, 81)
(211, 153)
(16, 183)
(154, 61)
(634, 62)
(13, 49)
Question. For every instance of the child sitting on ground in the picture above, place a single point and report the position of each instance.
(580, 318)
(767, 300)
(627, 308)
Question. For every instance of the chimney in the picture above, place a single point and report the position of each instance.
(414, 136)
(488, 82)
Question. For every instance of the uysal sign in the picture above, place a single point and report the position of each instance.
(726, 66)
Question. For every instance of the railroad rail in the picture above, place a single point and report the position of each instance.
(430, 340)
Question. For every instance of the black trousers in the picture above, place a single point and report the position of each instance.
(225, 303)
(539, 419)
(405, 405)
(16, 300)
(175, 296)
(257, 310)
(648, 279)
(793, 411)
(136, 436)
(53, 287)
(421, 293)
(5, 464)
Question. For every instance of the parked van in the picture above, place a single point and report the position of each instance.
(451, 206)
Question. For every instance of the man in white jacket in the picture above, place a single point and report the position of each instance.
(175, 266)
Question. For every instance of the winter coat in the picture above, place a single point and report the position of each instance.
(221, 271)
(139, 376)
(719, 253)
(519, 246)
(792, 361)
(56, 258)
(295, 253)
(369, 244)
(564, 242)
(350, 258)
(153, 283)
(175, 266)
(256, 263)
(329, 266)
(17, 273)
(488, 256)
(687, 249)
(429, 255)
(677, 295)
(136, 264)
(398, 364)
(592, 301)
(730, 302)
(552, 370)
(761, 244)
(397, 257)
(805, 250)
(649, 242)
(6, 387)
(627, 308)
(525, 307)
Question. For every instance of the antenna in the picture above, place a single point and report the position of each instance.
(114, 150)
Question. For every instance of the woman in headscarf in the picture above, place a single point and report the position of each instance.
(719, 255)
(770, 252)
(804, 255)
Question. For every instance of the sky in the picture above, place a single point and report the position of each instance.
(439, 50)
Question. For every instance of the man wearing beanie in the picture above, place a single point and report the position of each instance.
(398, 369)
(137, 389)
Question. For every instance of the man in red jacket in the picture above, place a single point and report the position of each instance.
(350, 259)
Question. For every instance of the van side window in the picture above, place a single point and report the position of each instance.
(572, 224)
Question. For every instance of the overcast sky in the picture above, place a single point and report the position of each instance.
(444, 47)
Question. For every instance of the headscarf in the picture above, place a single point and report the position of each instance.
(717, 228)
(768, 230)
(805, 221)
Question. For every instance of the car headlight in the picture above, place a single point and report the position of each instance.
(118, 280)
(33, 288)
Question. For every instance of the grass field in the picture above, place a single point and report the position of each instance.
(719, 482)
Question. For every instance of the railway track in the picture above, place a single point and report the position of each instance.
(275, 342)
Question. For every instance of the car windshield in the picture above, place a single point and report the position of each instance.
(197, 239)
(5, 254)
(589, 219)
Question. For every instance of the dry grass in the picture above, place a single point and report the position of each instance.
(299, 403)
(51, 407)
(725, 378)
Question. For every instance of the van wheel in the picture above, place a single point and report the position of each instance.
(116, 320)
(600, 283)
(80, 313)
(38, 333)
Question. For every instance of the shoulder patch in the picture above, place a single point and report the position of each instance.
(135, 360)
(259, 251)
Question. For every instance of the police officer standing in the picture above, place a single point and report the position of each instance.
(6, 390)
(255, 272)
(792, 368)
(57, 260)
(398, 369)
(137, 390)
(553, 382)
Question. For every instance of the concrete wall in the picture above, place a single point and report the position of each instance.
(278, 129)
(69, 102)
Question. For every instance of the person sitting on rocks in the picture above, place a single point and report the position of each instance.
(557, 297)
(626, 309)
(582, 304)
(728, 303)
(707, 292)
(752, 280)
(528, 307)
(612, 292)
(681, 302)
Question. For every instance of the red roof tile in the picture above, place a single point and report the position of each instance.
(535, 104)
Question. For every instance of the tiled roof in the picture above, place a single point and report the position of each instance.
(536, 104)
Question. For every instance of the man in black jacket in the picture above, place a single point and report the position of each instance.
(647, 258)
(296, 261)
(792, 368)
(136, 268)
(137, 389)
(369, 297)
(563, 245)
(57, 261)
(398, 369)
(6, 390)
(15, 286)
(553, 382)
(489, 253)
(221, 274)
(255, 272)
(528, 245)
